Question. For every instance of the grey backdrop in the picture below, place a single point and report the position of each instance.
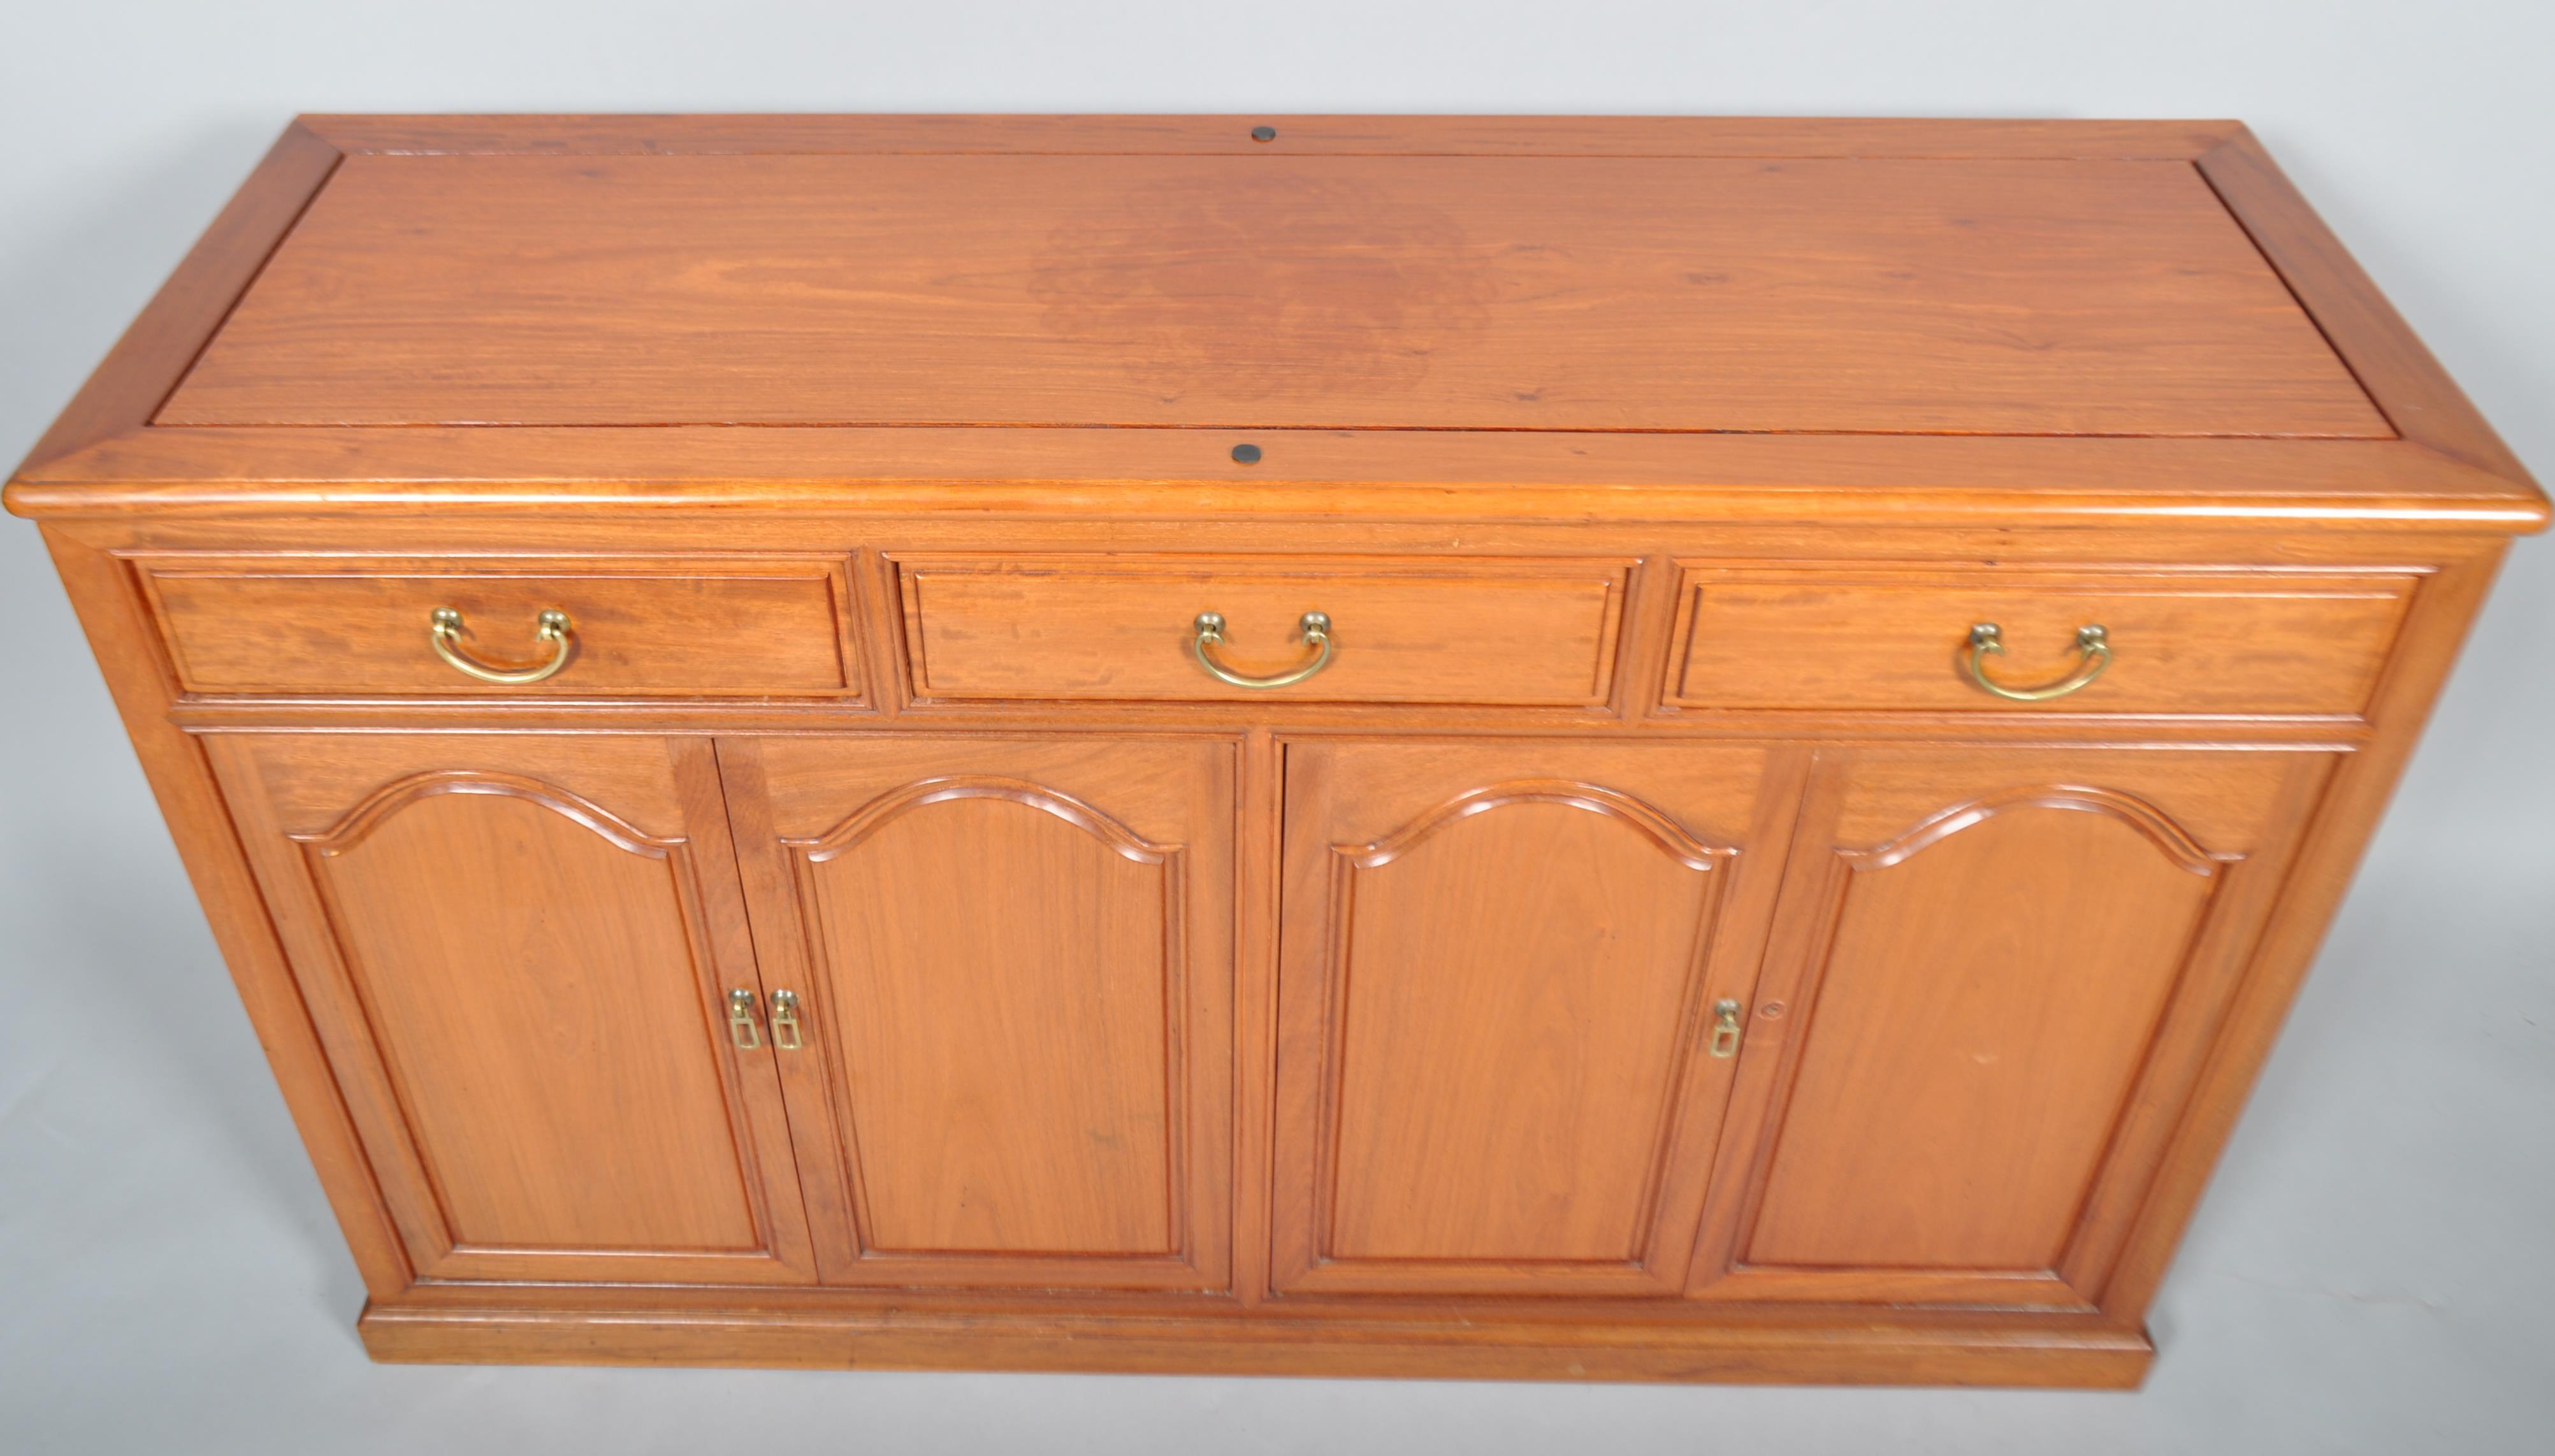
(2373, 1269)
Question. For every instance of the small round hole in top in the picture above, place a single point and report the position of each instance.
(1245, 454)
(1263, 134)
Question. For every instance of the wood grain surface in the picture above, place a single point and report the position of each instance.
(1990, 973)
(1497, 966)
(1390, 136)
(2181, 642)
(1017, 960)
(1429, 630)
(1653, 471)
(749, 627)
(514, 980)
(1952, 296)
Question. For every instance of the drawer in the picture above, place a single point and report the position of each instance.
(2179, 641)
(307, 626)
(1436, 629)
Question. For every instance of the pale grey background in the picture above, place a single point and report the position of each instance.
(2373, 1269)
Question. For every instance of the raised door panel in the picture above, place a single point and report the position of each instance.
(1498, 968)
(1995, 973)
(519, 952)
(1015, 958)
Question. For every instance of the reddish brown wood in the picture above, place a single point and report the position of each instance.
(1259, 842)
(2420, 400)
(2181, 642)
(1017, 965)
(2011, 298)
(1876, 1348)
(151, 358)
(1992, 977)
(508, 947)
(113, 614)
(1168, 475)
(754, 627)
(1355, 1027)
(1498, 972)
(2343, 818)
(1460, 630)
(1529, 136)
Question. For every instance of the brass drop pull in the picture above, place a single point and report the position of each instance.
(785, 1020)
(742, 1028)
(1315, 628)
(551, 627)
(1725, 1028)
(1987, 640)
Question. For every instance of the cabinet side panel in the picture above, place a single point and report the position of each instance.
(121, 634)
(2333, 841)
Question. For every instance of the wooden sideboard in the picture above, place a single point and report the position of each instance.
(1659, 749)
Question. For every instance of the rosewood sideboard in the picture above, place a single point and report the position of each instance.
(1667, 749)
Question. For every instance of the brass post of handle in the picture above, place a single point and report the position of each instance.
(443, 629)
(742, 1028)
(1987, 639)
(1209, 632)
(786, 1034)
(1726, 1028)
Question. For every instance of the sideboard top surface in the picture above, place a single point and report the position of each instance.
(1267, 291)
(693, 307)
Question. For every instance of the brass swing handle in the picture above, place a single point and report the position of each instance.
(1315, 628)
(1987, 639)
(444, 631)
(789, 1034)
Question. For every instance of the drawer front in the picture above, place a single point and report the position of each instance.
(1862, 640)
(745, 628)
(1489, 631)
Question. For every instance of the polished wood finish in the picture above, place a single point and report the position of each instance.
(1995, 970)
(515, 968)
(1498, 969)
(680, 626)
(1450, 631)
(1451, 477)
(2182, 642)
(1451, 293)
(1653, 471)
(1877, 1346)
(1017, 960)
(1387, 136)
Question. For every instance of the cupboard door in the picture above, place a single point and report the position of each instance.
(1994, 977)
(1498, 968)
(518, 953)
(1015, 963)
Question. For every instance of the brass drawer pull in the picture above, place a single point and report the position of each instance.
(1315, 629)
(444, 631)
(2091, 640)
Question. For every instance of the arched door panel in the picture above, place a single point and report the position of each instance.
(519, 952)
(1014, 965)
(1498, 977)
(1994, 974)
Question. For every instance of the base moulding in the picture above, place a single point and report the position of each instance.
(1879, 1350)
